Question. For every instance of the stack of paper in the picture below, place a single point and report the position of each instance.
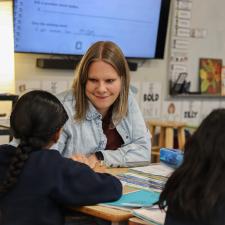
(142, 182)
(151, 214)
(159, 169)
(151, 177)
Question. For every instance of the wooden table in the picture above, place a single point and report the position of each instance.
(107, 213)
(137, 221)
(116, 216)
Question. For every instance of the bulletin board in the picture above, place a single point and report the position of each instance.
(197, 31)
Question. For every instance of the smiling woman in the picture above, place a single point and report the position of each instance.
(103, 86)
(105, 121)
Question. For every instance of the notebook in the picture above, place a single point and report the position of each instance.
(151, 214)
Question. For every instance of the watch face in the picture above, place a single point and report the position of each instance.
(99, 156)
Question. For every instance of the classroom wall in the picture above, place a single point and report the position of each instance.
(34, 77)
(152, 77)
(25, 69)
(148, 71)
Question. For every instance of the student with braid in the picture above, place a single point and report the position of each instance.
(36, 183)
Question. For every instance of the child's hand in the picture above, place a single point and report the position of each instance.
(80, 158)
(99, 168)
(91, 161)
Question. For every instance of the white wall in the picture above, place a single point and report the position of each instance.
(25, 69)
(149, 71)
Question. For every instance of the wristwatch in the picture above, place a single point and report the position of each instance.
(99, 156)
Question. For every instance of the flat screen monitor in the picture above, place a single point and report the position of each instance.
(69, 27)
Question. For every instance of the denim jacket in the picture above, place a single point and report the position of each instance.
(87, 137)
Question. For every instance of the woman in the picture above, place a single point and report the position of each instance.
(195, 193)
(105, 122)
(37, 183)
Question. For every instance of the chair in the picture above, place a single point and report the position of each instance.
(166, 135)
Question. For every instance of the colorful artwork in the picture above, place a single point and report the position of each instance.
(210, 76)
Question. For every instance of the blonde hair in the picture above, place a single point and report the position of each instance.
(110, 53)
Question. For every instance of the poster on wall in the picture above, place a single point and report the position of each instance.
(55, 87)
(180, 40)
(151, 100)
(191, 112)
(210, 76)
(171, 110)
(23, 86)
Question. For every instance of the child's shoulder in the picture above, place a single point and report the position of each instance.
(47, 158)
(48, 153)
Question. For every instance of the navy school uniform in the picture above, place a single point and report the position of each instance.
(47, 184)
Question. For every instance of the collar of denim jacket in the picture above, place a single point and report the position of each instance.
(92, 113)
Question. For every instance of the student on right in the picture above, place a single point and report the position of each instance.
(195, 192)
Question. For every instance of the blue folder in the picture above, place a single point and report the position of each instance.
(140, 198)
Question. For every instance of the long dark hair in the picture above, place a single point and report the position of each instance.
(36, 117)
(197, 186)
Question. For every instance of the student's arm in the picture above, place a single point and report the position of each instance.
(77, 184)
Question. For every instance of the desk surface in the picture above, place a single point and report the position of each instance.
(137, 221)
(107, 213)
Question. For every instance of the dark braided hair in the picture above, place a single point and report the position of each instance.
(36, 117)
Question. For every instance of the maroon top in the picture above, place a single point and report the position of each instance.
(114, 140)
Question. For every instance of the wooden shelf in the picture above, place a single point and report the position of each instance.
(9, 97)
(196, 96)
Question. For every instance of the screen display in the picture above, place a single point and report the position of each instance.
(71, 26)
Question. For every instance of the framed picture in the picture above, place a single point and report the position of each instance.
(210, 76)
